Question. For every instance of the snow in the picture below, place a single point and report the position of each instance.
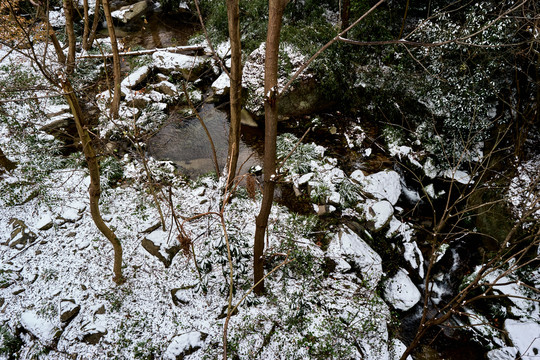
(505, 353)
(382, 185)
(359, 253)
(221, 84)
(166, 61)
(458, 175)
(401, 292)
(182, 344)
(42, 328)
(525, 336)
(379, 213)
(136, 77)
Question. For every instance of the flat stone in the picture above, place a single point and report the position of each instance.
(156, 244)
(41, 328)
(68, 310)
(130, 12)
(184, 345)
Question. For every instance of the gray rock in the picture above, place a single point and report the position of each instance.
(68, 310)
(401, 292)
(157, 244)
(130, 12)
(191, 67)
(20, 235)
(93, 336)
(181, 296)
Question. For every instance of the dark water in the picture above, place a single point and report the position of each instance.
(185, 142)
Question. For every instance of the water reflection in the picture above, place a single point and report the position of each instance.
(185, 143)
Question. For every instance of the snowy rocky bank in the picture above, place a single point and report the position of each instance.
(57, 299)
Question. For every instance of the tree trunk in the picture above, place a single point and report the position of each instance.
(233, 15)
(56, 44)
(95, 24)
(276, 8)
(72, 40)
(345, 14)
(6, 163)
(86, 22)
(115, 105)
(95, 186)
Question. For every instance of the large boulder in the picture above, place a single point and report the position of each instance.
(190, 67)
(401, 292)
(525, 335)
(348, 245)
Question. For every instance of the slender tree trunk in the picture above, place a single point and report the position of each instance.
(233, 15)
(56, 44)
(6, 163)
(72, 41)
(345, 14)
(94, 26)
(276, 8)
(115, 105)
(95, 186)
(86, 22)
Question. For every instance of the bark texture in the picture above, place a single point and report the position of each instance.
(276, 8)
(95, 185)
(72, 40)
(233, 15)
(115, 104)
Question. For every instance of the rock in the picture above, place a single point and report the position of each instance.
(150, 226)
(401, 292)
(221, 86)
(130, 12)
(166, 88)
(136, 77)
(181, 296)
(379, 214)
(246, 119)
(359, 254)
(45, 222)
(397, 348)
(384, 185)
(18, 290)
(525, 335)
(157, 244)
(68, 310)
(191, 67)
(57, 124)
(305, 97)
(41, 328)
(505, 353)
(184, 345)
(20, 235)
(92, 333)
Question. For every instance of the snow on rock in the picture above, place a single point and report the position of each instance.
(397, 348)
(505, 353)
(161, 245)
(384, 185)
(43, 329)
(44, 222)
(68, 310)
(221, 85)
(136, 77)
(349, 245)
(378, 214)
(129, 12)
(414, 257)
(190, 66)
(525, 336)
(184, 345)
(401, 292)
(460, 176)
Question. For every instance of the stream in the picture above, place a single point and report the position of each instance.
(183, 141)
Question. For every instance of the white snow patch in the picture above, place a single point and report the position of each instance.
(182, 344)
(40, 327)
(401, 292)
(525, 336)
